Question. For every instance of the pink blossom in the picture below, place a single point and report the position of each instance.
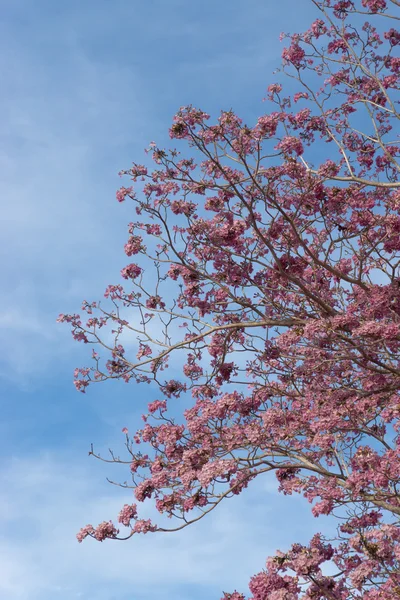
(105, 530)
(290, 144)
(134, 245)
(127, 513)
(84, 532)
(144, 526)
(294, 54)
(131, 271)
(123, 193)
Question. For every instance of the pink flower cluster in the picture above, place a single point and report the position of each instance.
(127, 513)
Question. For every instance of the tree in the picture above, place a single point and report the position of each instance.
(275, 250)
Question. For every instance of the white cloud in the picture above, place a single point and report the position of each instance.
(56, 200)
(45, 500)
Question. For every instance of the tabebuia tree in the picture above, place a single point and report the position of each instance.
(262, 295)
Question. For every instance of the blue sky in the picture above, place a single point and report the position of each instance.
(85, 87)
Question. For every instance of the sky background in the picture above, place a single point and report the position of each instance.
(85, 87)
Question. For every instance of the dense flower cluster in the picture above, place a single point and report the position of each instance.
(275, 250)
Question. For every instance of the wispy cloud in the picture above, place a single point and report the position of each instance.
(45, 499)
(56, 200)
(85, 87)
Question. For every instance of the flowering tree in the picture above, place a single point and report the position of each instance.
(275, 252)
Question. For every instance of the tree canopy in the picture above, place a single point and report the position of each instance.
(266, 265)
